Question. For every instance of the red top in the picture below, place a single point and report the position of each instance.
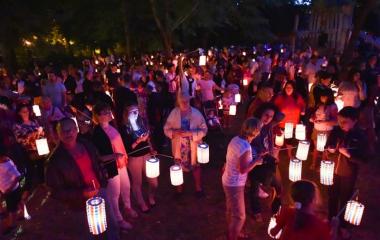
(315, 229)
(290, 107)
(83, 161)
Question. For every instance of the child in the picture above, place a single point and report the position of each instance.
(300, 222)
(227, 101)
(9, 186)
(349, 143)
(212, 119)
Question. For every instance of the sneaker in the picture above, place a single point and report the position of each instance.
(124, 225)
(262, 193)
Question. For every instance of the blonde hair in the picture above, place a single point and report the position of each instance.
(250, 127)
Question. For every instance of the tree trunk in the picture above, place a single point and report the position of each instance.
(165, 32)
(126, 30)
(7, 49)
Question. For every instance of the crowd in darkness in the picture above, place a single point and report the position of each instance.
(127, 110)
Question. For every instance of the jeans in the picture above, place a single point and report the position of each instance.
(235, 209)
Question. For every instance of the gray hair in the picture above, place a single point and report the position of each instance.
(250, 127)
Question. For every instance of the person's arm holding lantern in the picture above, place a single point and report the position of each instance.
(247, 163)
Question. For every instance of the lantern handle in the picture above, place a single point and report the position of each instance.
(355, 194)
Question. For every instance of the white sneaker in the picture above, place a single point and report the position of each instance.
(262, 193)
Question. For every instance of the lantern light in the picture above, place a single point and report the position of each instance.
(152, 167)
(309, 86)
(203, 153)
(245, 82)
(339, 103)
(37, 110)
(176, 175)
(327, 172)
(279, 141)
(96, 62)
(42, 146)
(232, 110)
(237, 97)
(26, 214)
(321, 141)
(96, 215)
(202, 60)
(244, 53)
(272, 224)
(303, 150)
(300, 132)
(76, 122)
(288, 130)
(220, 105)
(295, 170)
(354, 212)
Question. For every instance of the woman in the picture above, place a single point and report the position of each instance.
(27, 131)
(353, 91)
(207, 87)
(264, 94)
(239, 161)
(324, 119)
(301, 222)
(291, 104)
(186, 127)
(108, 142)
(135, 135)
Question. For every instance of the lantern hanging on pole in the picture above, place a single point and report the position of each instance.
(295, 170)
(288, 130)
(279, 141)
(96, 215)
(321, 141)
(327, 172)
(232, 110)
(354, 212)
(152, 167)
(302, 150)
(237, 97)
(203, 153)
(42, 146)
(176, 175)
(37, 110)
(300, 132)
(202, 60)
(272, 224)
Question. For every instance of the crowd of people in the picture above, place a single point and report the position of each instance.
(104, 119)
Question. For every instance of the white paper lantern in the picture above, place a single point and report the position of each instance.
(203, 153)
(339, 103)
(152, 167)
(295, 170)
(321, 141)
(176, 175)
(302, 150)
(232, 110)
(76, 122)
(327, 172)
(272, 224)
(300, 132)
(279, 141)
(202, 60)
(288, 130)
(354, 212)
(245, 82)
(26, 214)
(37, 110)
(42, 146)
(220, 105)
(237, 98)
(96, 215)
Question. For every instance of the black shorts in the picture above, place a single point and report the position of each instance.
(13, 199)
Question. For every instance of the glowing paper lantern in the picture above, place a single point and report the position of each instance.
(245, 82)
(244, 53)
(288, 130)
(300, 132)
(176, 175)
(339, 103)
(220, 105)
(279, 141)
(152, 167)
(26, 214)
(327, 173)
(303, 150)
(96, 215)
(203, 153)
(272, 224)
(295, 170)
(321, 141)
(37, 110)
(237, 97)
(309, 86)
(354, 212)
(202, 60)
(42, 146)
(232, 110)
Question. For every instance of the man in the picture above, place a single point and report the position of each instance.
(74, 175)
(55, 90)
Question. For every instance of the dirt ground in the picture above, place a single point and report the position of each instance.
(191, 218)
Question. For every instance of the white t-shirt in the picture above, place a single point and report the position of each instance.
(232, 176)
(207, 89)
(8, 175)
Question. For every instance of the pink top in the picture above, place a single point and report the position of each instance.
(117, 145)
(207, 89)
(290, 107)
